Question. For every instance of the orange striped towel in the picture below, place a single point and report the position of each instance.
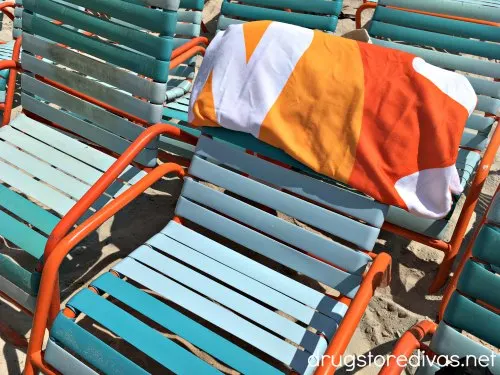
(383, 121)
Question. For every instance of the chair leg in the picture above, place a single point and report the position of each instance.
(12, 337)
(444, 270)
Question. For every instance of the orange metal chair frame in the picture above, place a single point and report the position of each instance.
(61, 242)
(452, 247)
(412, 339)
(70, 219)
(11, 83)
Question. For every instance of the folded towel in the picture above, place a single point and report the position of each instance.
(380, 120)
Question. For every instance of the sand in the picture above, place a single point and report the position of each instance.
(393, 309)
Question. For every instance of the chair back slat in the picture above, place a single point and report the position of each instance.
(313, 14)
(467, 9)
(254, 189)
(78, 66)
(476, 299)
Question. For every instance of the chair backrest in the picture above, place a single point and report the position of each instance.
(98, 86)
(451, 44)
(189, 17)
(241, 214)
(474, 306)
(313, 14)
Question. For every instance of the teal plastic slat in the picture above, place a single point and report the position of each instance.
(63, 361)
(258, 14)
(71, 336)
(27, 210)
(480, 123)
(183, 326)
(464, 314)
(477, 281)
(115, 54)
(468, 9)
(143, 337)
(135, 13)
(436, 24)
(21, 235)
(160, 48)
(210, 311)
(427, 38)
(22, 278)
(174, 114)
(326, 7)
(488, 105)
(447, 60)
(487, 244)
(448, 341)
(485, 87)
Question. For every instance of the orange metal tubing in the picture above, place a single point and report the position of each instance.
(5, 5)
(46, 295)
(367, 5)
(187, 46)
(357, 308)
(186, 55)
(11, 83)
(406, 345)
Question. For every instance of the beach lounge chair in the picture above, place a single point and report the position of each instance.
(470, 305)
(94, 94)
(241, 285)
(448, 43)
(9, 51)
(313, 14)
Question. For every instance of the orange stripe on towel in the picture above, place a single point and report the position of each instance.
(322, 134)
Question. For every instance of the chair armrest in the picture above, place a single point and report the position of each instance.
(374, 277)
(203, 41)
(5, 5)
(406, 345)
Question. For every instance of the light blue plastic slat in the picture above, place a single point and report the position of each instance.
(487, 104)
(480, 123)
(258, 272)
(485, 87)
(43, 171)
(22, 235)
(183, 326)
(37, 190)
(447, 60)
(27, 210)
(310, 188)
(76, 339)
(238, 280)
(64, 362)
(476, 281)
(474, 140)
(344, 282)
(63, 161)
(360, 234)
(448, 341)
(341, 255)
(143, 337)
(226, 297)
(208, 310)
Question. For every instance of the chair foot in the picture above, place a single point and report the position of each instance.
(12, 337)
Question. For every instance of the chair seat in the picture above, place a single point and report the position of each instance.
(240, 298)
(43, 173)
(467, 162)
